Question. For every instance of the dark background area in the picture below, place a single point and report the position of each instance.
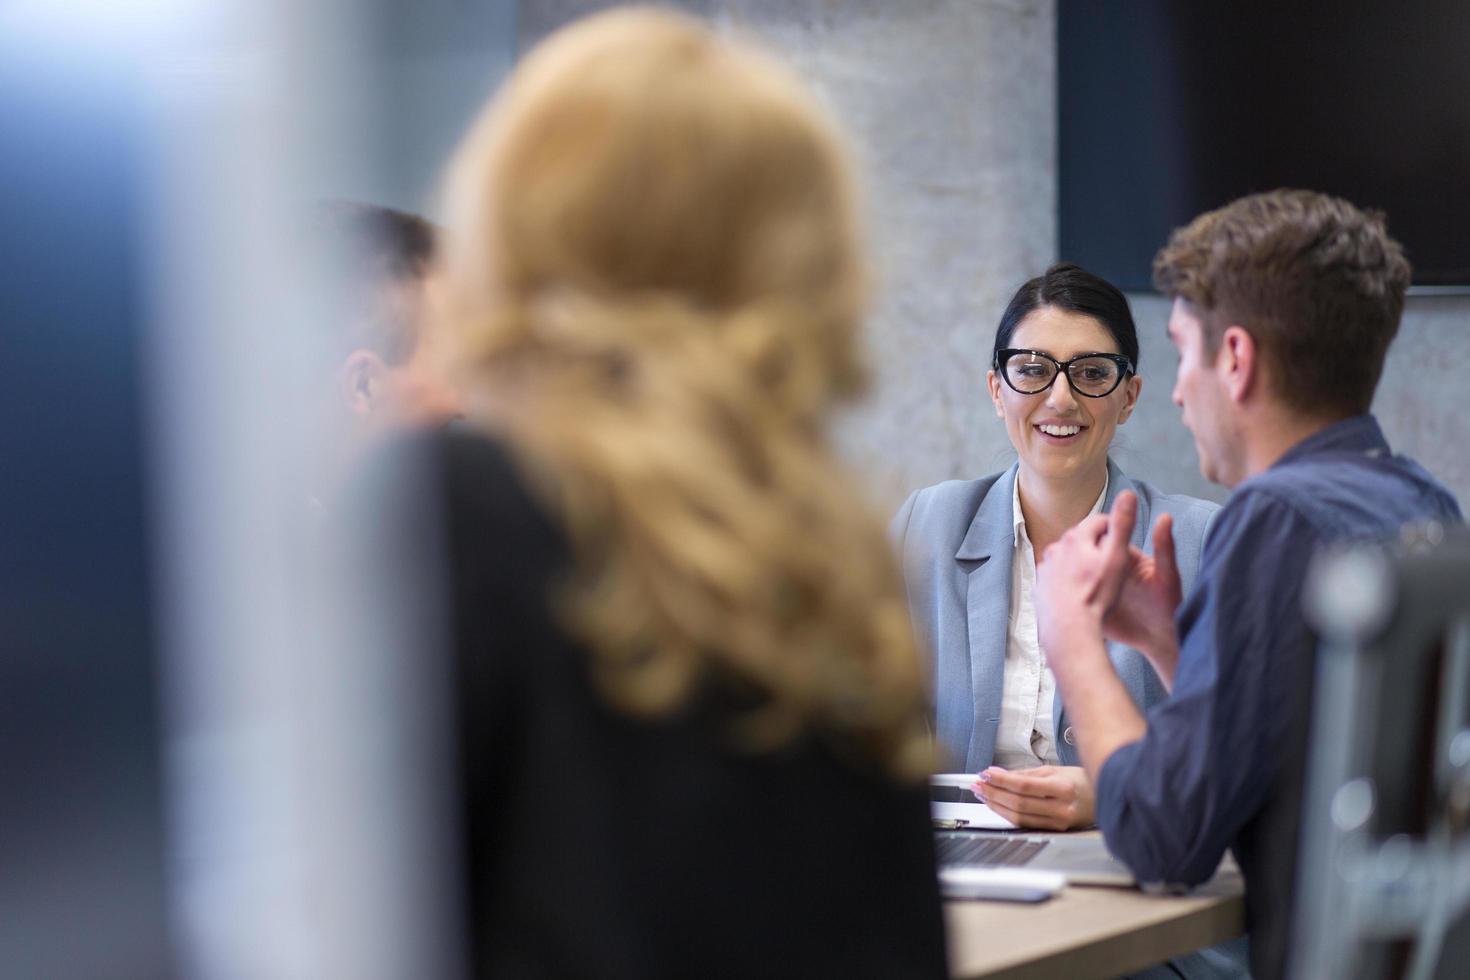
(1169, 109)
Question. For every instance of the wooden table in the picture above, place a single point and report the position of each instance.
(1091, 933)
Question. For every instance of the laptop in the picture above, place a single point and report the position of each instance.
(970, 834)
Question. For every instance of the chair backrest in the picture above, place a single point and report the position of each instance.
(1383, 883)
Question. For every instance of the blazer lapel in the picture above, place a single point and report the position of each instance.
(985, 556)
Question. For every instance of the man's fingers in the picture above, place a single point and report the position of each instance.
(1164, 556)
(1085, 534)
(1092, 528)
(1120, 526)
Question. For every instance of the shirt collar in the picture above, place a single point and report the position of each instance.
(1018, 520)
(1359, 434)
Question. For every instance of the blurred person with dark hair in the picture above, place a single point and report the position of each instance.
(1284, 307)
(692, 719)
(382, 286)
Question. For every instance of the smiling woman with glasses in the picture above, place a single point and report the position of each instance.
(1063, 377)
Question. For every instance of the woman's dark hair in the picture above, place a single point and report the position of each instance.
(1074, 289)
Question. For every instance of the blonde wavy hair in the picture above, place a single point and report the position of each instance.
(654, 286)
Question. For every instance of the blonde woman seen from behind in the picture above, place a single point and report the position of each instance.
(692, 722)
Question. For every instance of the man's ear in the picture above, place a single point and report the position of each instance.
(361, 379)
(1239, 363)
(992, 381)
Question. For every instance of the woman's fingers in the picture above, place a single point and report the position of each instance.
(1046, 807)
(1040, 782)
(1034, 821)
(1047, 797)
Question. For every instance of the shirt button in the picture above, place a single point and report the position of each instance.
(1068, 737)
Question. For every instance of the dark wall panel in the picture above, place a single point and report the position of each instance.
(1168, 109)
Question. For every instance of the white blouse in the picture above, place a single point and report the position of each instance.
(1026, 736)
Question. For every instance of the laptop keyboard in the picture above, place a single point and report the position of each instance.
(992, 852)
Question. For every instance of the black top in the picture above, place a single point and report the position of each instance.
(600, 845)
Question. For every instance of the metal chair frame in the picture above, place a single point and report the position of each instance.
(1384, 866)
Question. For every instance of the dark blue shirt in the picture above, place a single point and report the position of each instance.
(1221, 764)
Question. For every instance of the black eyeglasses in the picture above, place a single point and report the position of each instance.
(1031, 372)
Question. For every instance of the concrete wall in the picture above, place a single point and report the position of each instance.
(1414, 403)
(411, 77)
(951, 108)
(1428, 367)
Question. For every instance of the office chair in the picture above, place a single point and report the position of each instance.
(1383, 884)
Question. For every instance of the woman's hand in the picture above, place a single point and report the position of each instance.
(1044, 798)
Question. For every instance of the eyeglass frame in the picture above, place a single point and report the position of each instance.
(1125, 367)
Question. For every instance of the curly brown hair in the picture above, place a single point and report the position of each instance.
(1317, 282)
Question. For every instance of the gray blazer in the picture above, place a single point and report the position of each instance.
(956, 541)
